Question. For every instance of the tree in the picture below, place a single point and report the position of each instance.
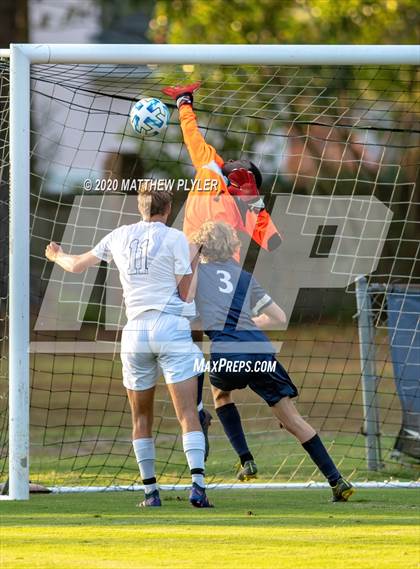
(14, 28)
(286, 21)
(14, 22)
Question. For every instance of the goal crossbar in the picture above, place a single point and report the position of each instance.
(219, 54)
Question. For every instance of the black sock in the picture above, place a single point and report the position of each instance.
(200, 384)
(149, 485)
(319, 454)
(245, 457)
(231, 421)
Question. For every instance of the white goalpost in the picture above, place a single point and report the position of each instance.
(22, 57)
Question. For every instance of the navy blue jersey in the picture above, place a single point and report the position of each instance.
(227, 298)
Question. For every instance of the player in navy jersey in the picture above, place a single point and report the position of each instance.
(233, 307)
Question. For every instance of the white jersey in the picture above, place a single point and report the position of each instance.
(148, 255)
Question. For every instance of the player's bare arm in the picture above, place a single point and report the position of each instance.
(270, 316)
(70, 263)
(187, 284)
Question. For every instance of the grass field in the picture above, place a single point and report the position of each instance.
(260, 529)
(80, 434)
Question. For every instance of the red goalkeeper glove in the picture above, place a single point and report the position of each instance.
(182, 94)
(243, 186)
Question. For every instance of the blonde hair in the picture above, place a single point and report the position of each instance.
(152, 201)
(218, 241)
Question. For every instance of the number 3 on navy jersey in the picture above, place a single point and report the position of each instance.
(226, 280)
(138, 257)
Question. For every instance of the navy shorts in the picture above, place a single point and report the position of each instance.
(272, 383)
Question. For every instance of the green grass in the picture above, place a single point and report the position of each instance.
(260, 529)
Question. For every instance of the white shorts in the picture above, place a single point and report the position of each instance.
(156, 343)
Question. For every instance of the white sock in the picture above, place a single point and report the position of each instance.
(194, 447)
(144, 449)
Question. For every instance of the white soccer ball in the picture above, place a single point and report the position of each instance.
(149, 116)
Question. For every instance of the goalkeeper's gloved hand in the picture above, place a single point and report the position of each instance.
(243, 186)
(182, 94)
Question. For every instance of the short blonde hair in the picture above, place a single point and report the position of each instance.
(217, 241)
(152, 201)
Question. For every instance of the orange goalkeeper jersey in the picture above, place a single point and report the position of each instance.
(216, 204)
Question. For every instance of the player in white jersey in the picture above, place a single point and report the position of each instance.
(158, 284)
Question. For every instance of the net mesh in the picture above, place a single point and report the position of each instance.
(339, 152)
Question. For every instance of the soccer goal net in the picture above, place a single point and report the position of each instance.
(338, 146)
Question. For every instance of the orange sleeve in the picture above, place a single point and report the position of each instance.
(201, 153)
(262, 230)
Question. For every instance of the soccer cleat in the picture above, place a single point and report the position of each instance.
(247, 471)
(342, 490)
(198, 497)
(182, 94)
(151, 500)
(205, 421)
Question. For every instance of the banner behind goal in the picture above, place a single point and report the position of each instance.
(338, 147)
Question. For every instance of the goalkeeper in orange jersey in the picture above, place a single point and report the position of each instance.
(234, 198)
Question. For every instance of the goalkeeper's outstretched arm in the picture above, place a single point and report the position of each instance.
(201, 153)
(241, 179)
(70, 263)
